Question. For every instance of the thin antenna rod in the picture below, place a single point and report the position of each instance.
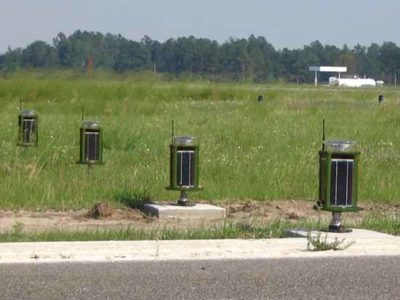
(323, 134)
(173, 130)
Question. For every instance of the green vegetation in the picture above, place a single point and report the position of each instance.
(226, 231)
(230, 230)
(253, 59)
(319, 242)
(248, 149)
(389, 224)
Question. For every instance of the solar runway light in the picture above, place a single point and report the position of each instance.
(91, 143)
(184, 167)
(381, 98)
(338, 179)
(28, 133)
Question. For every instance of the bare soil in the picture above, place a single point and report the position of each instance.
(104, 217)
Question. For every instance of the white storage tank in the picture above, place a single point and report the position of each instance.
(352, 82)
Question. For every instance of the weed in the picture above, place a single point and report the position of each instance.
(318, 242)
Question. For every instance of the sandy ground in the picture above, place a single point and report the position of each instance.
(245, 211)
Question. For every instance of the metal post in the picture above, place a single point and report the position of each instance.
(336, 223)
(315, 78)
(184, 199)
(90, 167)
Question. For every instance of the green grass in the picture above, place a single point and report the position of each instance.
(389, 224)
(230, 230)
(248, 150)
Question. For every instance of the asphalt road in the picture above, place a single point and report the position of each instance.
(368, 277)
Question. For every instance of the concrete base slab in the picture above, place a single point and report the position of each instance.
(198, 211)
(355, 234)
(366, 243)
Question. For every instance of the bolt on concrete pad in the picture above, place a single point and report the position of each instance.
(198, 211)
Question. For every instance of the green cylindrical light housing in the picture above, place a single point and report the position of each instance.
(28, 125)
(91, 143)
(184, 167)
(184, 164)
(338, 176)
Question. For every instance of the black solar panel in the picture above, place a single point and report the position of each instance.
(92, 145)
(341, 182)
(28, 131)
(186, 168)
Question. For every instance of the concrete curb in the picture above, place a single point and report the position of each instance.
(367, 243)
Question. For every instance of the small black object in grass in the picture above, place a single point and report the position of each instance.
(260, 98)
(27, 128)
(381, 98)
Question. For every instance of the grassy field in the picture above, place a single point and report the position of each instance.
(248, 149)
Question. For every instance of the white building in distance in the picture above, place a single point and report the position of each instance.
(343, 82)
(352, 82)
(331, 69)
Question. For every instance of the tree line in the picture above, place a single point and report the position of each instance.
(252, 59)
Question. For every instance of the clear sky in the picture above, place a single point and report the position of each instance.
(284, 23)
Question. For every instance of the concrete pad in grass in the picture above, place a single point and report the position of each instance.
(198, 211)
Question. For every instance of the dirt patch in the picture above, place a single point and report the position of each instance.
(245, 211)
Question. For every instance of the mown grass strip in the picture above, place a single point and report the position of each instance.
(242, 230)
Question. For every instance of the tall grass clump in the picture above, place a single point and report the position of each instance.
(248, 149)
